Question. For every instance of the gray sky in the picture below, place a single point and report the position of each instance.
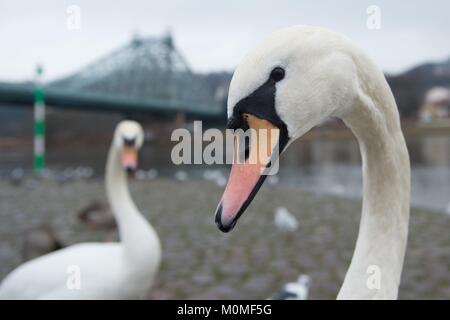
(211, 35)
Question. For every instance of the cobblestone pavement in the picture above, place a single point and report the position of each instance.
(253, 261)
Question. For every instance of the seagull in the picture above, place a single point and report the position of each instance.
(152, 174)
(181, 175)
(294, 290)
(285, 220)
(140, 174)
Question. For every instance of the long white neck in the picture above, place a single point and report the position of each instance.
(140, 241)
(377, 263)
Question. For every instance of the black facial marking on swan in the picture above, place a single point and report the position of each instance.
(261, 103)
(129, 141)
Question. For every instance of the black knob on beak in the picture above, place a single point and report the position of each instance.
(129, 142)
(130, 170)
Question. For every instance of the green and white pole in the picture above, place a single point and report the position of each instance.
(39, 123)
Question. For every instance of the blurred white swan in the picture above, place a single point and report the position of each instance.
(123, 270)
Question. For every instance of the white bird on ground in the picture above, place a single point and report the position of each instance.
(181, 175)
(216, 176)
(294, 290)
(140, 174)
(68, 174)
(123, 270)
(152, 174)
(85, 172)
(297, 79)
(285, 220)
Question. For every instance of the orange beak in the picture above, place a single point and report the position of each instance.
(247, 176)
(129, 158)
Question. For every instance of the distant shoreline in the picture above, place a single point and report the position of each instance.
(331, 131)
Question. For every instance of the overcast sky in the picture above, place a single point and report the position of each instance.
(212, 35)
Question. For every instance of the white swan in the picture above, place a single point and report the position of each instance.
(296, 79)
(98, 270)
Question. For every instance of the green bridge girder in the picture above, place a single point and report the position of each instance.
(23, 95)
(146, 76)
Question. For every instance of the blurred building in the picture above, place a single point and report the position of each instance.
(436, 104)
(411, 86)
(146, 69)
(147, 79)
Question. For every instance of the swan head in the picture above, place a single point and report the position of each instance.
(294, 80)
(128, 139)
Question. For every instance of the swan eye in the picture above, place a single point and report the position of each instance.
(277, 74)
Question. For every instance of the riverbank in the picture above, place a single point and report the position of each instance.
(253, 261)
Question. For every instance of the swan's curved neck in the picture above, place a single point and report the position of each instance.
(135, 232)
(377, 263)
